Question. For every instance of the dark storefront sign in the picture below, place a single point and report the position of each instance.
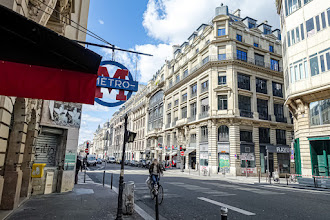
(284, 149)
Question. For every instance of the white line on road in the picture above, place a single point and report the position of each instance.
(227, 206)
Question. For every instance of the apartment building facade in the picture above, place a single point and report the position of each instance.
(220, 100)
(306, 63)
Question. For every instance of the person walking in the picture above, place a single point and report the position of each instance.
(78, 167)
(155, 170)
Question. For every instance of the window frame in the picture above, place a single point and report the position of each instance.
(222, 102)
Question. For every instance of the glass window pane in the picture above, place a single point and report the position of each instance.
(328, 60)
(301, 71)
(302, 31)
(306, 69)
(317, 21)
(322, 63)
(292, 74)
(310, 27)
(292, 37)
(296, 73)
(289, 41)
(328, 12)
(323, 20)
(297, 34)
(314, 66)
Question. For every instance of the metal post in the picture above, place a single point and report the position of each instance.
(121, 177)
(85, 175)
(270, 182)
(287, 180)
(259, 174)
(111, 179)
(314, 182)
(103, 177)
(156, 207)
(224, 213)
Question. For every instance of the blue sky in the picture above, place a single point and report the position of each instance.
(153, 26)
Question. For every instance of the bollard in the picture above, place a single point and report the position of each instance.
(156, 207)
(224, 213)
(287, 180)
(314, 182)
(128, 198)
(259, 174)
(103, 177)
(111, 179)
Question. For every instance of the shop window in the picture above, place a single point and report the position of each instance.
(223, 134)
(283, 162)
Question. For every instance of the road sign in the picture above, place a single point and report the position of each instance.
(182, 153)
(118, 81)
(86, 150)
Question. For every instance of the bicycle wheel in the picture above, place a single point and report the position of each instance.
(160, 194)
(152, 194)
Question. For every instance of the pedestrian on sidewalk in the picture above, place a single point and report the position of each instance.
(78, 167)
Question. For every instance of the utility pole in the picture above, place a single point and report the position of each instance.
(121, 178)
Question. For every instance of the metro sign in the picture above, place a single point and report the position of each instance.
(118, 81)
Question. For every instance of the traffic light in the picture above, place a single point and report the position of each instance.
(130, 136)
(87, 144)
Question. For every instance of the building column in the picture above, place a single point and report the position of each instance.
(212, 127)
(234, 139)
(256, 146)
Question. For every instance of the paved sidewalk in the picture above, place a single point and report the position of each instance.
(86, 201)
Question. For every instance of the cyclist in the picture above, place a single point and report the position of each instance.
(155, 170)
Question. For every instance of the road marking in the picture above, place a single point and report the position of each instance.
(142, 213)
(227, 206)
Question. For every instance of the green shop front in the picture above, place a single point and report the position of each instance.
(320, 155)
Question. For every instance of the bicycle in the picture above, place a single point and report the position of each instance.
(156, 190)
(292, 179)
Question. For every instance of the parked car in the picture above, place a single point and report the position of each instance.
(148, 163)
(91, 160)
(143, 163)
(126, 162)
(99, 161)
(134, 163)
(111, 160)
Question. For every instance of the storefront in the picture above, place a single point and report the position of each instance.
(320, 156)
(204, 156)
(247, 157)
(223, 158)
(279, 158)
(191, 154)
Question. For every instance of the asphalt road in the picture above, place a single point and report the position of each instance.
(188, 197)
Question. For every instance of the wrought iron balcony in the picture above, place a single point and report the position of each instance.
(265, 117)
(203, 115)
(281, 118)
(192, 118)
(244, 113)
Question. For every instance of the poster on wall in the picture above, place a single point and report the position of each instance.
(224, 163)
(65, 114)
(70, 160)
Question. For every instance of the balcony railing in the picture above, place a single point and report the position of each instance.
(281, 118)
(205, 89)
(203, 115)
(204, 139)
(247, 114)
(192, 118)
(265, 117)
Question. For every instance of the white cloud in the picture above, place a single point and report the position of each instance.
(88, 118)
(95, 108)
(101, 21)
(172, 21)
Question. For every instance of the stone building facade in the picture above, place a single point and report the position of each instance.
(306, 63)
(23, 120)
(220, 100)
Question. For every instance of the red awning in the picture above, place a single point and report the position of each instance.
(36, 62)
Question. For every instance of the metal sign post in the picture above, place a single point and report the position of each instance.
(121, 178)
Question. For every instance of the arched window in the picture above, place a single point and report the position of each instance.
(223, 134)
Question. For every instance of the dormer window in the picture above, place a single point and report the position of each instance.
(252, 25)
(267, 31)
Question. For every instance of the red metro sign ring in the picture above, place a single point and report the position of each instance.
(118, 81)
